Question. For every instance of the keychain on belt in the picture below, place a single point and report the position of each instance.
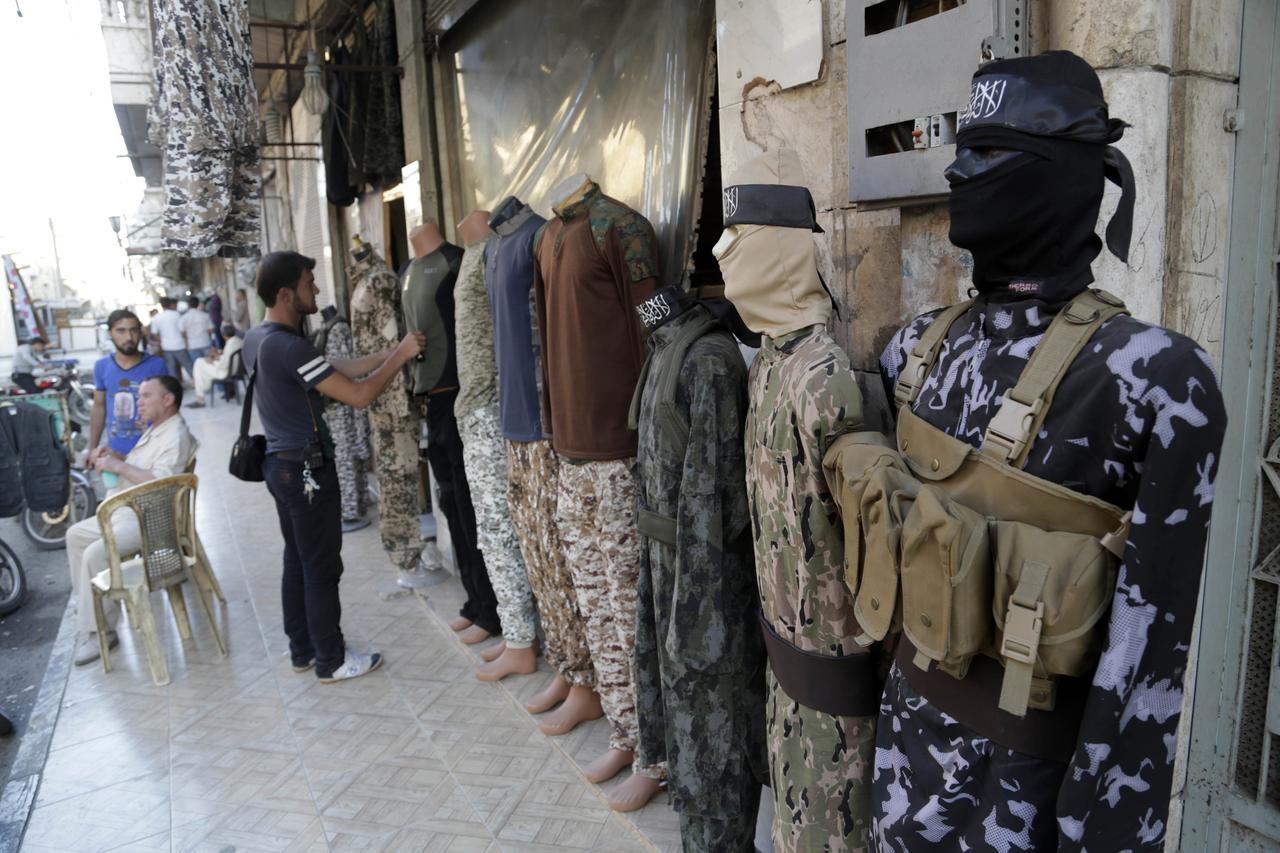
(309, 484)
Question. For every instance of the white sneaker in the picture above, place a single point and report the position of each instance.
(354, 666)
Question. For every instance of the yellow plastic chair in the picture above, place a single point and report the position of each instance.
(170, 556)
(203, 569)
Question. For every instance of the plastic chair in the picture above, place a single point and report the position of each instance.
(170, 557)
(230, 387)
(203, 569)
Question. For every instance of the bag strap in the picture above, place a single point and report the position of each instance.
(1011, 432)
(922, 356)
(246, 411)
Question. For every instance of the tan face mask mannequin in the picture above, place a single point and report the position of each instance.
(474, 226)
(568, 191)
(425, 239)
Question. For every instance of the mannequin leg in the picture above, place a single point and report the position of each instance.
(342, 428)
(485, 458)
(533, 471)
(395, 449)
(596, 514)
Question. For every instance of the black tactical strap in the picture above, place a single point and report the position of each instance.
(845, 686)
(975, 699)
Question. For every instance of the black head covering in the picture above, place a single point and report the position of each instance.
(1033, 150)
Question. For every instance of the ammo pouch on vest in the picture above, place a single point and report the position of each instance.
(975, 557)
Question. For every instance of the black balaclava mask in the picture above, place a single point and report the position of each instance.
(1032, 154)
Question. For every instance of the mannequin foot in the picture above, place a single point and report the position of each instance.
(633, 794)
(549, 697)
(493, 652)
(510, 662)
(474, 634)
(580, 705)
(462, 623)
(608, 765)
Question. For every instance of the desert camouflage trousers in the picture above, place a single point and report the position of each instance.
(395, 456)
(533, 476)
(212, 200)
(820, 770)
(596, 514)
(351, 456)
(485, 458)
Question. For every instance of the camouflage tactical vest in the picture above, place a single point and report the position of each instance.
(972, 556)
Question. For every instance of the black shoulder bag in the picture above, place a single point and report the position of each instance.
(249, 451)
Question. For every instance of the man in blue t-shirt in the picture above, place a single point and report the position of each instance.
(116, 378)
(289, 377)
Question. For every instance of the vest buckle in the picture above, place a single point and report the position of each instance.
(1022, 628)
(911, 379)
(1010, 429)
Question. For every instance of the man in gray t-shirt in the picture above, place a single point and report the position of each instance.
(289, 375)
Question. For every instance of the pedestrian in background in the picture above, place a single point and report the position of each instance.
(215, 320)
(26, 360)
(173, 342)
(198, 330)
(299, 468)
(116, 380)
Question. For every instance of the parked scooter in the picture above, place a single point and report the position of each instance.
(13, 581)
(63, 376)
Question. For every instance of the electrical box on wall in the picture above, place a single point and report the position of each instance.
(910, 62)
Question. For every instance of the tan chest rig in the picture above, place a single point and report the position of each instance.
(1000, 581)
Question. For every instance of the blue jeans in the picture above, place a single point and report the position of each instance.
(177, 359)
(197, 353)
(312, 530)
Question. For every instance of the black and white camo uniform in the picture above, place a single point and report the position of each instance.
(1138, 421)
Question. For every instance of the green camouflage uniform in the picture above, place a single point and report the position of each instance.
(376, 320)
(699, 659)
(803, 396)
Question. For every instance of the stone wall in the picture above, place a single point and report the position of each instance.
(1167, 66)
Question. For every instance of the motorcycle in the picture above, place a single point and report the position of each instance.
(13, 581)
(62, 376)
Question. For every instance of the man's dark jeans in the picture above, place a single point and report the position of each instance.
(26, 381)
(312, 530)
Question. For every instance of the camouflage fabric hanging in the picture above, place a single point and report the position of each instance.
(204, 117)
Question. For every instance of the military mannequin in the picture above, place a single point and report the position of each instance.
(1133, 427)
(822, 690)
(594, 262)
(533, 470)
(427, 299)
(349, 428)
(699, 659)
(485, 457)
(376, 323)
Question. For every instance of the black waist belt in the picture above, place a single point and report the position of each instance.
(660, 527)
(844, 686)
(975, 699)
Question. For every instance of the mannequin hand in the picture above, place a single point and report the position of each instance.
(413, 343)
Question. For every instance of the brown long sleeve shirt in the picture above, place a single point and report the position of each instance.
(595, 261)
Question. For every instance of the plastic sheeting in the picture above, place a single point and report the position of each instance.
(618, 89)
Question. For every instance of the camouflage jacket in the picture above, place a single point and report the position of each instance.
(202, 62)
(803, 396)
(1138, 421)
(697, 640)
(376, 322)
(473, 324)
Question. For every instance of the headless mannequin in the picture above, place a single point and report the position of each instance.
(500, 661)
(507, 209)
(569, 190)
(581, 703)
(473, 226)
(425, 239)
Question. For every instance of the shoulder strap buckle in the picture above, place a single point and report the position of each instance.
(1010, 431)
(911, 379)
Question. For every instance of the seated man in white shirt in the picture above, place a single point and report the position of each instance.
(209, 368)
(162, 451)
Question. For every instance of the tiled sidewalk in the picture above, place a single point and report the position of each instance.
(242, 754)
